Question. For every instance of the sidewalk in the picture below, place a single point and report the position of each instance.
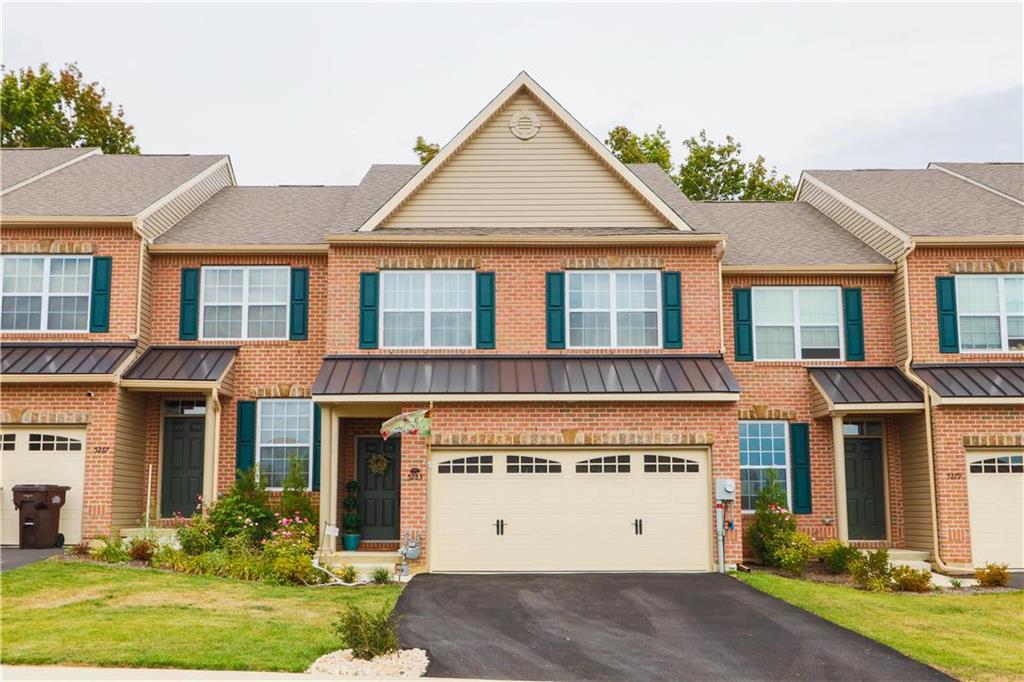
(10, 673)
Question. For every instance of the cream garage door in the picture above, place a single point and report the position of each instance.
(569, 511)
(42, 456)
(995, 493)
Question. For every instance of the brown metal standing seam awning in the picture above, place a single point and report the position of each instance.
(182, 368)
(32, 362)
(615, 377)
(865, 389)
(1000, 382)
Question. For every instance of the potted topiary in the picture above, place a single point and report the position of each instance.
(350, 521)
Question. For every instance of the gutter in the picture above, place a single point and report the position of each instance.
(524, 240)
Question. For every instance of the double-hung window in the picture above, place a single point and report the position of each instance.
(764, 448)
(285, 436)
(797, 323)
(46, 293)
(991, 312)
(428, 308)
(614, 309)
(245, 302)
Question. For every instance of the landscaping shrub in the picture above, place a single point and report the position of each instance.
(196, 535)
(141, 548)
(82, 549)
(368, 634)
(380, 576)
(167, 557)
(907, 579)
(872, 571)
(773, 533)
(293, 569)
(837, 557)
(794, 552)
(993, 575)
(349, 574)
(295, 500)
(244, 509)
(111, 550)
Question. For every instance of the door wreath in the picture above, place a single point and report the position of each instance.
(378, 465)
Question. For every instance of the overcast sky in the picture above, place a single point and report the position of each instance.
(315, 93)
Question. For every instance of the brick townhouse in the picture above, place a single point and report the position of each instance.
(595, 350)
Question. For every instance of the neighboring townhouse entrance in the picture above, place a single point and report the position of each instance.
(995, 492)
(570, 511)
(379, 492)
(865, 488)
(43, 456)
(181, 473)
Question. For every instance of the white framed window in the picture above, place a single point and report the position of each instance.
(990, 312)
(284, 433)
(797, 323)
(239, 302)
(764, 447)
(428, 308)
(45, 293)
(613, 308)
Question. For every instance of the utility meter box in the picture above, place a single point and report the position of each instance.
(725, 489)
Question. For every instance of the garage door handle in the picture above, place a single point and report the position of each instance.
(499, 526)
(638, 526)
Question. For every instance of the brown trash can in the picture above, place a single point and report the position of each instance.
(39, 515)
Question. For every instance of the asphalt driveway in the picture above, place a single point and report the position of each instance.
(13, 557)
(630, 627)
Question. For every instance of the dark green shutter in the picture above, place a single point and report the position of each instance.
(369, 296)
(245, 435)
(555, 296)
(743, 325)
(672, 309)
(316, 447)
(299, 317)
(800, 467)
(853, 319)
(485, 310)
(945, 293)
(99, 307)
(188, 320)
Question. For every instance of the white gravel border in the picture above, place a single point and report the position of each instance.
(405, 664)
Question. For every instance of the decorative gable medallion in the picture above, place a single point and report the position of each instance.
(524, 124)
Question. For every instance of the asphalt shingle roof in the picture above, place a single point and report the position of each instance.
(1007, 178)
(106, 185)
(18, 165)
(928, 202)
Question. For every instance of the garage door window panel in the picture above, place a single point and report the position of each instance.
(481, 464)
(245, 303)
(610, 464)
(7, 441)
(665, 464)
(48, 442)
(991, 312)
(764, 448)
(1008, 464)
(285, 435)
(797, 323)
(428, 308)
(46, 293)
(524, 464)
(614, 309)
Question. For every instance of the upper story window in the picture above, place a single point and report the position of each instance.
(614, 309)
(764, 448)
(797, 323)
(427, 308)
(46, 293)
(285, 439)
(990, 309)
(244, 302)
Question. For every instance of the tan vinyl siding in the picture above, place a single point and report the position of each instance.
(859, 225)
(900, 334)
(917, 510)
(549, 180)
(186, 201)
(146, 299)
(129, 486)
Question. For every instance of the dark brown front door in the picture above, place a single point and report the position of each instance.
(865, 489)
(379, 493)
(182, 473)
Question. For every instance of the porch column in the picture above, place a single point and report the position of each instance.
(329, 459)
(211, 440)
(839, 466)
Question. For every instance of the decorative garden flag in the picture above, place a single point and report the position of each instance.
(415, 423)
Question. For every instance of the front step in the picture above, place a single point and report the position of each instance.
(919, 565)
(908, 555)
(363, 562)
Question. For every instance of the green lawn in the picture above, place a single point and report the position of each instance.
(969, 636)
(56, 612)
